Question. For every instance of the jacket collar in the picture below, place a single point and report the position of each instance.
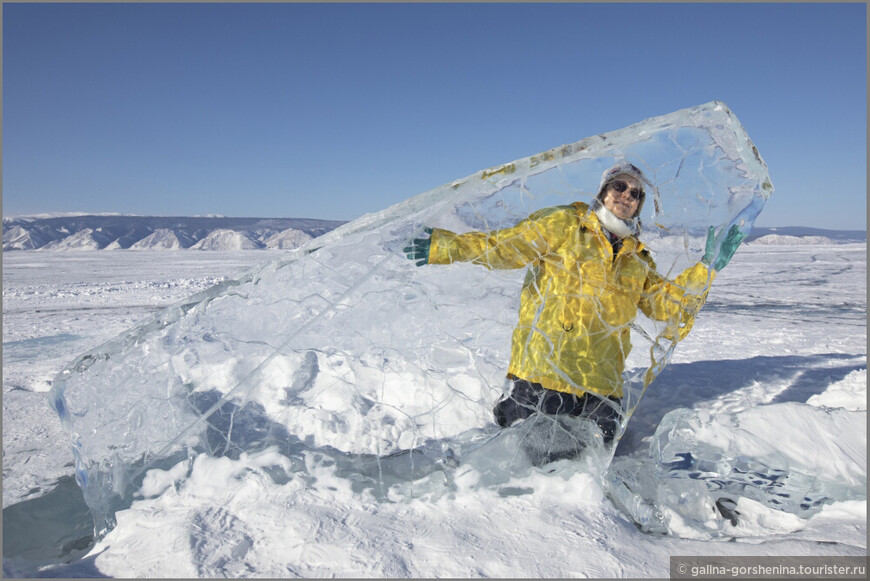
(589, 219)
(613, 224)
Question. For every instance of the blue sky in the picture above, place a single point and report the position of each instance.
(335, 110)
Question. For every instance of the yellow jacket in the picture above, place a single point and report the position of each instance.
(578, 300)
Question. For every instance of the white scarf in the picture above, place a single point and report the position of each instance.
(613, 224)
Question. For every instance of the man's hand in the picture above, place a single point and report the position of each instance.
(726, 249)
(419, 249)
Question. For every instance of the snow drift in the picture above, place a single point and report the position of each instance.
(343, 357)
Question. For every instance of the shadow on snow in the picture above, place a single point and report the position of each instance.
(683, 385)
(55, 530)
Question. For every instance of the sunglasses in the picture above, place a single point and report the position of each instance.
(621, 186)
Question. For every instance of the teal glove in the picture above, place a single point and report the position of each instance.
(726, 249)
(419, 248)
(710, 247)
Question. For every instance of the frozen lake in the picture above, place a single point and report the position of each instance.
(783, 325)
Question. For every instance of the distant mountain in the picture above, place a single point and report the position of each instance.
(802, 235)
(225, 239)
(70, 232)
(160, 239)
(84, 239)
(785, 240)
(19, 238)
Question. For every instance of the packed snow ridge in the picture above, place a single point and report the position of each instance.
(73, 232)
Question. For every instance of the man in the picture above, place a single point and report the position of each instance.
(588, 276)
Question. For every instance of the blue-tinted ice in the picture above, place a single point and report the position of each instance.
(344, 353)
(701, 464)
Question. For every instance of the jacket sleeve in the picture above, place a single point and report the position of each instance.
(510, 248)
(678, 301)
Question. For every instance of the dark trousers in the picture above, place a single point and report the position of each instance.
(527, 398)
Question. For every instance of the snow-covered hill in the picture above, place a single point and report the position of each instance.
(65, 232)
(86, 239)
(784, 239)
(787, 235)
(224, 239)
(162, 239)
(20, 238)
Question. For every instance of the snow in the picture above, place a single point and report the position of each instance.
(847, 393)
(161, 239)
(223, 239)
(781, 239)
(784, 326)
(17, 238)
(287, 239)
(86, 239)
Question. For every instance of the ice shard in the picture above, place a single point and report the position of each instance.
(344, 349)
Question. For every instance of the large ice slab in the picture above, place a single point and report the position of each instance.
(344, 351)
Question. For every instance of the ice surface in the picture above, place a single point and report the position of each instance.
(757, 342)
(343, 354)
(698, 460)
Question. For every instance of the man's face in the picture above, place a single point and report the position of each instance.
(623, 203)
